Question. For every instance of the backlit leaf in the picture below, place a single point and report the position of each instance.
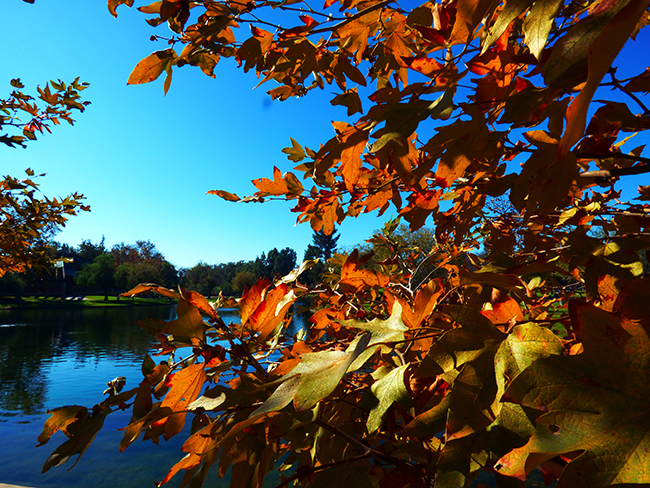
(231, 197)
(113, 4)
(388, 390)
(185, 387)
(151, 67)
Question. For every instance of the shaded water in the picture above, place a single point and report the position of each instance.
(51, 358)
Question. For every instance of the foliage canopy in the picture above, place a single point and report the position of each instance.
(529, 349)
(28, 218)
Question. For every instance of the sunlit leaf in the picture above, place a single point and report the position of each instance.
(151, 67)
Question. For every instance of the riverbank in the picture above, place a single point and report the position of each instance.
(89, 301)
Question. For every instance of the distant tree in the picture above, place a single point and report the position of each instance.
(275, 263)
(142, 263)
(12, 284)
(322, 248)
(243, 279)
(89, 251)
(100, 273)
(324, 244)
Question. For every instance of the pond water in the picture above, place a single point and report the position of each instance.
(51, 358)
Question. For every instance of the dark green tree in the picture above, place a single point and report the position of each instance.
(100, 273)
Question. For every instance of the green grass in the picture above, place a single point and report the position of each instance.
(89, 301)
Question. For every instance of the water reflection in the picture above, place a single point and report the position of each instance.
(50, 358)
(31, 341)
(41, 349)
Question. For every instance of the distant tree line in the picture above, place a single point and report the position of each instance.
(93, 267)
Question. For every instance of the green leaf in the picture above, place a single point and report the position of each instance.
(402, 119)
(597, 401)
(511, 10)
(387, 390)
(382, 331)
(538, 24)
(322, 371)
(314, 378)
(294, 153)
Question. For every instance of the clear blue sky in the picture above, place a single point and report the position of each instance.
(145, 161)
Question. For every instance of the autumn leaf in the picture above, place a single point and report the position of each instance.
(269, 314)
(185, 387)
(538, 25)
(150, 287)
(275, 187)
(231, 197)
(294, 153)
(188, 323)
(388, 390)
(354, 278)
(151, 67)
(596, 401)
(60, 419)
(602, 53)
(113, 4)
(81, 434)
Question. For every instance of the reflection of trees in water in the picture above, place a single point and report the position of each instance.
(80, 336)
(41, 337)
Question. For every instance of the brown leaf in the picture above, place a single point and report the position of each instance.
(151, 67)
(602, 53)
(113, 4)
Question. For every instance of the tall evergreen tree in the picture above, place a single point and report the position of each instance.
(323, 245)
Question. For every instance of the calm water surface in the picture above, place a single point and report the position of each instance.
(51, 358)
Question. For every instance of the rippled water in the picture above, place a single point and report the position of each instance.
(51, 358)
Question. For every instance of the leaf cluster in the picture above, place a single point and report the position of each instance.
(495, 366)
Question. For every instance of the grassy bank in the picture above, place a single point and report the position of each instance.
(79, 302)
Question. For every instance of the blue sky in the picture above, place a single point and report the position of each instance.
(145, 161)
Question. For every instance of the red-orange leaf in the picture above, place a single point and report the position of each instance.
(271, 312)
(185, 387)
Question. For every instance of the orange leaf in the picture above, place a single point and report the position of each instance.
(185, 387)
(188, 324)
(60, 419)
(355, 145)
(275, 187)
(353, 278)
(425, 301)
(271, 312)
(147, 287)
(113, 4)
(426, 66)
(504, 312)
(151, 67)
(252, 298)
(199, 301)
(231, 197)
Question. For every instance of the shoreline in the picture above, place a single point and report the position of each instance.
(27, 303)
